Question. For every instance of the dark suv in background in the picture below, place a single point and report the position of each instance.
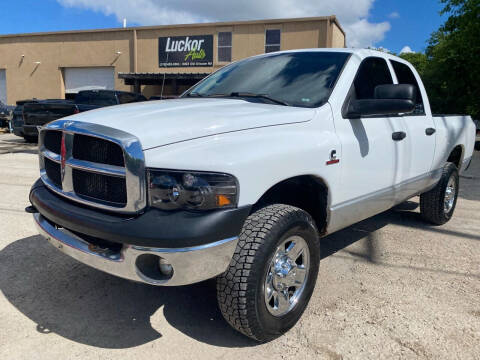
(45, 111)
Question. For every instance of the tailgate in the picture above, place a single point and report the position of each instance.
(40, 114)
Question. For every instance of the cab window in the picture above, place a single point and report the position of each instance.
(373, 71)
(406, 76)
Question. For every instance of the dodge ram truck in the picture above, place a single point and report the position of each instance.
(241, 177)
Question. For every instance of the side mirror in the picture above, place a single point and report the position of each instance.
(388, 99)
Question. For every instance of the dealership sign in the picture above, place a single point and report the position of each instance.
(179, 51)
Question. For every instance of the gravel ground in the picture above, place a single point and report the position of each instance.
(389, 287)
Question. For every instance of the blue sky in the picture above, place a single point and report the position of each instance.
(391, 24)
(415, 22)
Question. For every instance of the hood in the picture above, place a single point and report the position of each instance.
(158, 123)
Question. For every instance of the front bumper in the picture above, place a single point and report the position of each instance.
(190, 265)
(198, 246)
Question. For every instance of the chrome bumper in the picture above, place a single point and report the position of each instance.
(190, 265)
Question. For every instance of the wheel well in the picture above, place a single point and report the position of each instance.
(306, 192)
(456, 156)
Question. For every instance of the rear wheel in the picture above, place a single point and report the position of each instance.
(437, 205)
(272, 274)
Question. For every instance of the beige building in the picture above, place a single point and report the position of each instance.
(155, 60)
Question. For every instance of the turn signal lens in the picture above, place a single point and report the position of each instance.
(223, 200)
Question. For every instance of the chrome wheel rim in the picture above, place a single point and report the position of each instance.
(449, 195)
(287, 275)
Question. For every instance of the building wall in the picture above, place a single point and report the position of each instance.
(338, 38)
(26, 79)
(19, 54)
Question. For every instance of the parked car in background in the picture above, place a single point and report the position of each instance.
(44, 111)
(17, 117)
(5, 114)
(241, 177)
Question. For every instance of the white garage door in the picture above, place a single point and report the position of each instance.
(3, 86)
(89, 78)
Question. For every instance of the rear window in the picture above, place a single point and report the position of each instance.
(98, 98)
(405, 76)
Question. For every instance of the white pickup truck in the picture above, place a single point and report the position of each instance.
(242, 176)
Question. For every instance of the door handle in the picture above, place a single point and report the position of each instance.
(430, 131)
(399, 135)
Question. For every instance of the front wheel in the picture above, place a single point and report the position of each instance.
(437, 205)
(271, 277)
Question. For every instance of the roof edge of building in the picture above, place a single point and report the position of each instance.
(332, 18)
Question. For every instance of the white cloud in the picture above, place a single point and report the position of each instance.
(363, 33)
(394, 15)
(353, 15)
(406, 49)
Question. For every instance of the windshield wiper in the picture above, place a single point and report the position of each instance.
(259, 96)
(240, 95)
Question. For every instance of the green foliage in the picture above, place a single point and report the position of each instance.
(418, 60)
(450, 67)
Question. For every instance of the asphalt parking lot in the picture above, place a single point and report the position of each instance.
(389, 287)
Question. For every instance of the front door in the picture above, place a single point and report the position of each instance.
(370, 159)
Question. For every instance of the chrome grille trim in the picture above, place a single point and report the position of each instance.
(103, 169)
(133, 172)
(50, 155)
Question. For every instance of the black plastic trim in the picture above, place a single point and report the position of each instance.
(153, 228)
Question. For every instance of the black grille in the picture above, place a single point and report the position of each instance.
(97, 150)
(101, 187)
(53, 172)
(53, 140)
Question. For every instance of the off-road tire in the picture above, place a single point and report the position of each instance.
(432, 202)
(240, 290)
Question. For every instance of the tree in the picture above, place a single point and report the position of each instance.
(418, 60)
(452, 71)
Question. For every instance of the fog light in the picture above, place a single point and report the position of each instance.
(165, 268)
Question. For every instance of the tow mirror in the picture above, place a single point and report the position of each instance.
(388, 100)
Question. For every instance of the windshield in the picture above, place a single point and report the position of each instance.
(298, 79)
(98, 98)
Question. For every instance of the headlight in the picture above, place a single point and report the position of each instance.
(170, 190)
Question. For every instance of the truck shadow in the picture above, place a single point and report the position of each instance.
(13, 146)
(87, 306)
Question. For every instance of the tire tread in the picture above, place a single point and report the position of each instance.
(431, 202)
(236, 287)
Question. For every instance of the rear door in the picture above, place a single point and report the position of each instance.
(419, 145)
